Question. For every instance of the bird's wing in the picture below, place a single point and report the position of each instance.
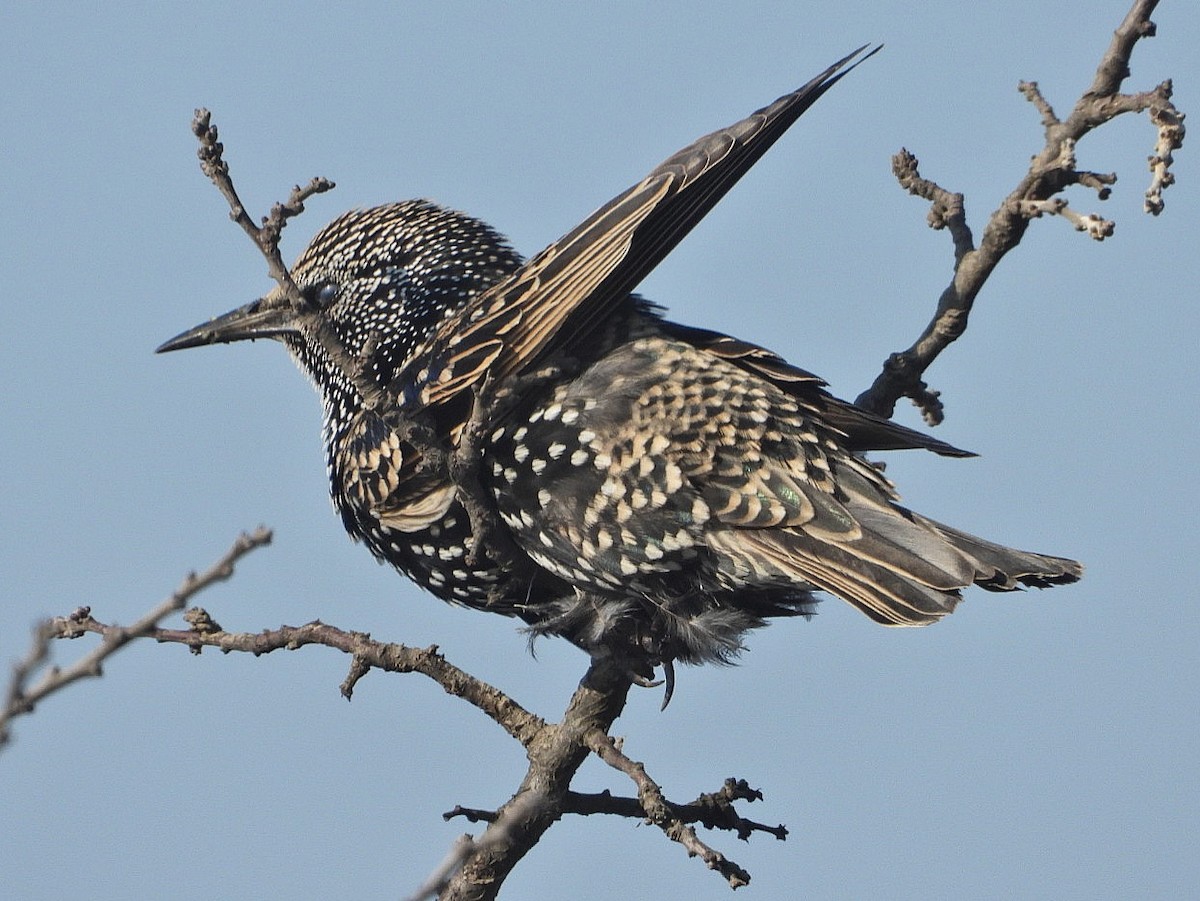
(577, 280)
(379, 472)
(861, 429)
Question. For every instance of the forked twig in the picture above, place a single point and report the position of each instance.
(1051, 171)
(22, 697)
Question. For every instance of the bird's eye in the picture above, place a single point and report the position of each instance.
(320, 295)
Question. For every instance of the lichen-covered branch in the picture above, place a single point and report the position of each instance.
(1050, 172)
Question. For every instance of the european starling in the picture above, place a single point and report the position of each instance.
(645, 489)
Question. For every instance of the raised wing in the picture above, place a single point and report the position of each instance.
(579, 279)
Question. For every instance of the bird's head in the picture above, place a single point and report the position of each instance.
(388, 275)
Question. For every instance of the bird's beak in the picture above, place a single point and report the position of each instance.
(266, 317)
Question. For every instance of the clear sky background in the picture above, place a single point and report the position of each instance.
(1034, 745)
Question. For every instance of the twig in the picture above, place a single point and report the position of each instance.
(1051, 171)
(946, 208)
(365, 652)
(470, 814)
(659, 812)
(266, 238)
(1094, 225)
(712, 810)
(1170, 138)
(464, 846)
(22, 698)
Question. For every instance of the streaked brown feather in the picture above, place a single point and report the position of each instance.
(580, 279)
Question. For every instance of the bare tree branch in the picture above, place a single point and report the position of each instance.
(714, 810)
(538, 803)
(266, 237)
(659, 811)
(1170, 138)
(22, 697)
(365, 653)
(555, 750)
(1050, 172)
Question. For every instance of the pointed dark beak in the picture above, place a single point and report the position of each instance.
(259, 319)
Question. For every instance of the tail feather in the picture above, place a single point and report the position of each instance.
(790, 556)
(1000, 568)
(901, 570)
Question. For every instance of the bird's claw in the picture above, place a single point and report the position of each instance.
(668, 680)
(643, 681)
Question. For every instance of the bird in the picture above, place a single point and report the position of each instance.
(535, 439)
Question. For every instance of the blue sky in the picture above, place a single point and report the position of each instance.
(1040, 745)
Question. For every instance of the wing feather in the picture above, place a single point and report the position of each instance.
(578, 280)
